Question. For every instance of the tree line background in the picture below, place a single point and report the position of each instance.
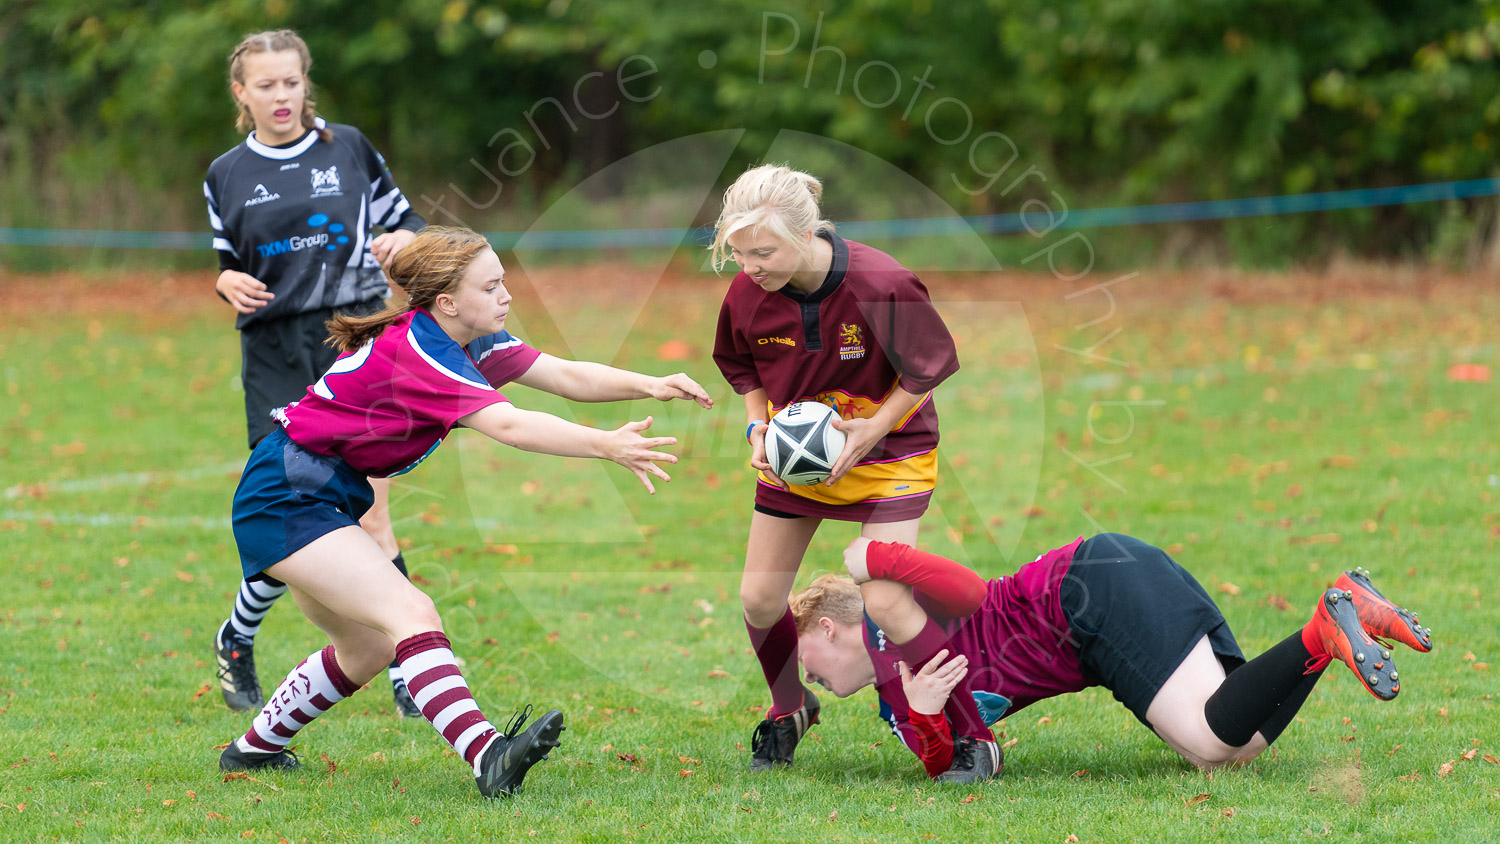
(111, 111)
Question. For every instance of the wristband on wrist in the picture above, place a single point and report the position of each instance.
(751, 428)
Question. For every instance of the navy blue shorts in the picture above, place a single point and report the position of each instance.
(289, 496)
(1135, 614)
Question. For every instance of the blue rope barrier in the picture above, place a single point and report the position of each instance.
(1014, 223)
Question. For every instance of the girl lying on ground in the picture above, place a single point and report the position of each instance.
(1110, 611)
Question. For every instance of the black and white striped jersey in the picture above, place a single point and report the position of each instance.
(299, 219)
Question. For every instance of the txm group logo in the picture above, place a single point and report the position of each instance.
(330, 239)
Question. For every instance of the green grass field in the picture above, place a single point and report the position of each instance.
(1268, 431)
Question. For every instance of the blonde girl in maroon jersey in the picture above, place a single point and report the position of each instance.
(812, 316)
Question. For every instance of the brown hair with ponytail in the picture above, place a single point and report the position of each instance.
(432, 264)
(274, 41)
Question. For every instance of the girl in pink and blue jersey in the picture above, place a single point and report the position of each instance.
(407, 376)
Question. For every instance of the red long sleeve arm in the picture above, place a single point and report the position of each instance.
(942, 586)
(934, 742)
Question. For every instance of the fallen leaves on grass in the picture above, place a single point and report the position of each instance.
(1340, 461)
(627, 757)
(969, 799)
(1278, 602)
(718, 674)
(1316, 539)
(685, 772)
(1196, 799)
(675, 350)
(1229, 588)
(201, 692)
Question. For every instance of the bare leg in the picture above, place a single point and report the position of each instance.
(347, 573)
(772, 557)
(361, 652)
(377, 522)
(1177, 712)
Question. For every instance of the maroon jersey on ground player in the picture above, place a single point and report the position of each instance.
(870, 327)
(1016, 639)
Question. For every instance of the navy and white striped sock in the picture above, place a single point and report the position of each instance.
(250, 606)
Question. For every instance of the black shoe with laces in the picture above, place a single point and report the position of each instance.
(510, 755)
(237, 676)
(406, 707)
(774, 742)
(974, 760)
(234, 759)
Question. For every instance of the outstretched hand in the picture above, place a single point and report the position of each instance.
(627, 447)
(679, 386)
(927, 691)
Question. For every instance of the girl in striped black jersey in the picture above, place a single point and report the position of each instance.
(292, 209)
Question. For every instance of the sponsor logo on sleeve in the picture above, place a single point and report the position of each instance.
(780, 341)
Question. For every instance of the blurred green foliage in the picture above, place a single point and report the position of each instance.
(111, 111)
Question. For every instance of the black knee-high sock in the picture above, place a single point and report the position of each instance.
(1277, 724)
(400, 563)
(1265, 692)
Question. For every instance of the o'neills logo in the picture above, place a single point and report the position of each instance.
(784, 341)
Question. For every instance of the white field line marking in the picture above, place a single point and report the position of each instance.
(230, 469)
(117, 520)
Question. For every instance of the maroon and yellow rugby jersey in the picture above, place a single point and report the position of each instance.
(869, 327)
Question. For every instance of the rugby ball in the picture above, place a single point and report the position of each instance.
(801, 443)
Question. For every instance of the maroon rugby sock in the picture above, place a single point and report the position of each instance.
(961, 710)
(441, 692)
(776, 648)
(311, 689)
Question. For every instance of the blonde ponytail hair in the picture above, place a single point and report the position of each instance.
(274, 41)
(775, 198)
(432, 264)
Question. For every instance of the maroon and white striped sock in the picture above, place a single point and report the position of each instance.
(311, 689)
(438, 686)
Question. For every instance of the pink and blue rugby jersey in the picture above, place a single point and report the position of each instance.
(386, 405)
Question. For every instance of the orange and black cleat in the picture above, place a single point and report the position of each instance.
(1344, 638)
(1382, 618)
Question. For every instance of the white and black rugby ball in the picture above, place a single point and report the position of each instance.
(802, 444)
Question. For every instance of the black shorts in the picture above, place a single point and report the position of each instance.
(281, 358)
(1135, 615)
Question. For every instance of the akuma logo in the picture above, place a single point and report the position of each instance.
(330, 240)
(261, 197)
